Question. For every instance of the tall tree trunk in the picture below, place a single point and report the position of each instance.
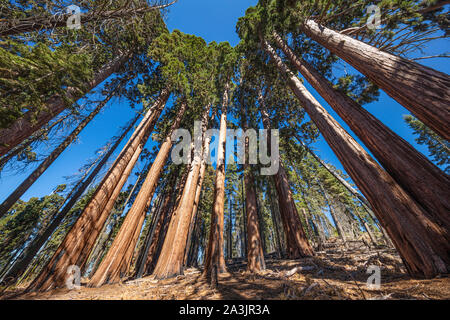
(31, 122)
(297, 242)
(156, 215)
(19, 267)
(413, 171)
(260, 220)
(10, 27)
(198, 191)
(419, 241)
(77, 244)
(171, 259)
(244, 217)
(168, 209)
(400, 78)
(255, 254)
(214, 260)
(31, 179)
(118, 259)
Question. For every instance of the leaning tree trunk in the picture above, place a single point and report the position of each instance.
(420, 242)
(171, 259)
(10, 27)
(118, 259)
(31, 122)
(21, 264)
(400, 78)
(198, 191)
(214, 260)
(352, 190)
(413, 171)
(28, 182)
(297, 242)
(168, 210)
(77, 244)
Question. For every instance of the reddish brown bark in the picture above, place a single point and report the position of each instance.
(297, 242)
(168, 209)
(413, 171)
(118, 259)
(78, 243)
(198, 191)
(422, 90)
(255, 255)
(214, 259)
(31, 122)
(171, 259)
(419, 241)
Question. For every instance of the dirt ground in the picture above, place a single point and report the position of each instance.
(331, 274)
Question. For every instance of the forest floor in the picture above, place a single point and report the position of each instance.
(334, 273)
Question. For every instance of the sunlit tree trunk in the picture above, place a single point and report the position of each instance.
(428, 185)
(419, 241)
(400, 78)
(297, 242)
(168, 210)
(255, 254)
(214, 260)
(78, 243)
(172, 257)
(118, 259)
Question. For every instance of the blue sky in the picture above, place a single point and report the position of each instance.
(214, 21)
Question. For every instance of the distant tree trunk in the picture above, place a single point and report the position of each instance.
(419, 241)
(336, 221)
(21, 264)
(214, 260)
(400, 78)
(31, 179)
(297, 242)
(413, 171)
(10, 27)
(72, 251)
(365, 225)
(171, 259)
(230, 232)
(118, 259)
(31, 122)
(276, 226)
(260, 220)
